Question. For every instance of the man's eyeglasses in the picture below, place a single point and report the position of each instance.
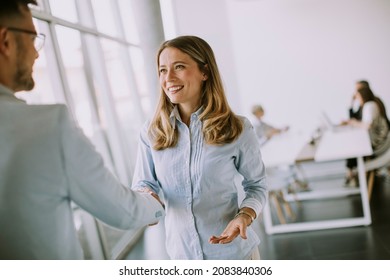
(39, 38)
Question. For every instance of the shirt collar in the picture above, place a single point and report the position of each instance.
(175, 115)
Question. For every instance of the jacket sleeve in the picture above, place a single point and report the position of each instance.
(94, 188)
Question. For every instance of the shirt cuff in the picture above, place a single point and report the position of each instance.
(157, 210)
(253, 204)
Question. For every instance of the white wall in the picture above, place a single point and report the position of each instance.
(209, 20)
(296, 57)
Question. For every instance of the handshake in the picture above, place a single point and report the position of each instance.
(152, 193)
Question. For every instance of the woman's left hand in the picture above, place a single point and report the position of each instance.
(236, 227)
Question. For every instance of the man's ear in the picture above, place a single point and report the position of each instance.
(4, 41)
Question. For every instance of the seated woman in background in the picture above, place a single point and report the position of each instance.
(264, 131)
(355, 110)
(373, 118)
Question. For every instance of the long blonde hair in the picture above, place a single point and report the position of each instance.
(220, 124)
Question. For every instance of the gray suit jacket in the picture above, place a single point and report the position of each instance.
(45, 163)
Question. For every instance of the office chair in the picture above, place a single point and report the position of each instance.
(381, 160)
(279, 182)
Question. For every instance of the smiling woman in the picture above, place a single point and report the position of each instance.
(181, 80)
(193, 150)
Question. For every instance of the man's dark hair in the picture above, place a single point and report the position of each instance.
(12, 7)
(367, 95)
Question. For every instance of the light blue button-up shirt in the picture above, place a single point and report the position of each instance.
(198, 183)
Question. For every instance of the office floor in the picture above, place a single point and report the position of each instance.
(353, 243)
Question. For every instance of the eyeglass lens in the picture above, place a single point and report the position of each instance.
(39, 41)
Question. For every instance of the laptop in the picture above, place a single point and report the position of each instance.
(331, 126)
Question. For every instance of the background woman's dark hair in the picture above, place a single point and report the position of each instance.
(382, 109)
(363, 83)
(367, 95)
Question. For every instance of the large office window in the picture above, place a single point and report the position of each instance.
(93, 62)
(64, 9)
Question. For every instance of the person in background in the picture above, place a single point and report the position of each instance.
(292, 173)
(373, 117)
(193, 150)
(264, 131)
(47, 163)
(355, 110)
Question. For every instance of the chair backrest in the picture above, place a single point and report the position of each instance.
(279, 178)
(382, 157)
(384, 148)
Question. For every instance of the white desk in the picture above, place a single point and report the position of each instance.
(283, 149)
(334, 145)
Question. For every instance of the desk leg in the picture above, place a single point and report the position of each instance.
(326, 224)
(267, 217)
(363, 191)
